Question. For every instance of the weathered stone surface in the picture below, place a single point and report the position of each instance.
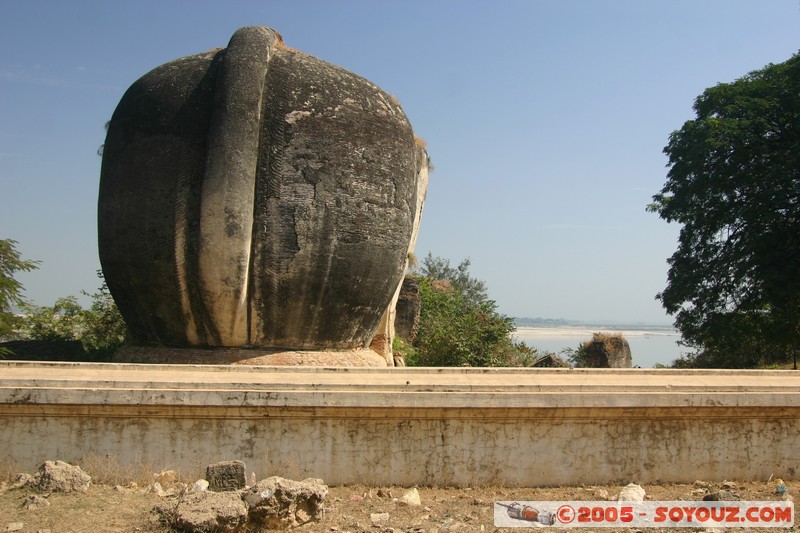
(281, 503)
(409, 305)
(248, 356)
(58, 476)
(256, 197)
(608, 351)
(204, 512)
(383, 340)
(468, 424)
(226, 476)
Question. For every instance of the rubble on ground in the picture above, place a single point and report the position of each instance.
(58, 476)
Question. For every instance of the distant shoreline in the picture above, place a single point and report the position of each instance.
(588, 330)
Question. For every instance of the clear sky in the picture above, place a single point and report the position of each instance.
(545, 121)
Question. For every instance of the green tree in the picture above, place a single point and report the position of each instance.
(105, 329)
(437, 268)
(11, 290)
(459, 325)
(64, 321)
(734, 185)
(99, 329)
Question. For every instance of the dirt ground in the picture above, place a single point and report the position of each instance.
(106, 508)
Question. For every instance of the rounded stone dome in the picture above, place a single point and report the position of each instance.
(256, 196)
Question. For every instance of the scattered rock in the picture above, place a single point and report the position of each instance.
(226, 476)
(23, 480)
(157, 489)
(631, 493)
(721, 496)
(202, 512)
(411, 497)
(550, 360)
(280, 503)
(602, 494)
(201, 485)
(166, 477)
(728, 485)
(780, 487)
(378, 518)
(59, 476)
(34, 502)
(701, 484)
(15, 526)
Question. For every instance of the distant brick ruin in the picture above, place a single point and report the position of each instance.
(255, 197)
(607, 350)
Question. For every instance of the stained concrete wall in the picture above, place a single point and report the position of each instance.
(409, 426)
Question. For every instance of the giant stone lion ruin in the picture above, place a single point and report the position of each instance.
(258, 204)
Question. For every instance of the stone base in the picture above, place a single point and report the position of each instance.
(462, 427)
(248, 356)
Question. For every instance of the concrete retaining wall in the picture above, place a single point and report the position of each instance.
(409, 426)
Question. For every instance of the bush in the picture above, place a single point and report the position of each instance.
(100, 329)
(459, 325)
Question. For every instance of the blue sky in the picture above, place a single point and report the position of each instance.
(545, 121)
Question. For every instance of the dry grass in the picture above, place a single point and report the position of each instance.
(106, 470)
(7, 472)
(609, 340)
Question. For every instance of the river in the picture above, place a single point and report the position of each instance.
(650, 345)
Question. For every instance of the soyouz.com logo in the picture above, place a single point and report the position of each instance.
(643, 514)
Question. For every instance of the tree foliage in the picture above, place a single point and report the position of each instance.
(734, 185)
(100, 329)
(459, 325)
(437, 268)
(11, 290)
